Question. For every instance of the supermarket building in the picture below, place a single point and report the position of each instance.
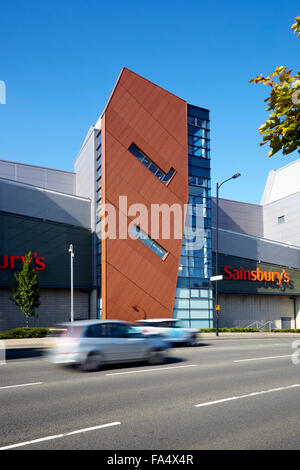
(149, 148)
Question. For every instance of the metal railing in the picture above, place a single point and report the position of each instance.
(261, 325)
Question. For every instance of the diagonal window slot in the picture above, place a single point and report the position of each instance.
(148, 163)
(149, 242)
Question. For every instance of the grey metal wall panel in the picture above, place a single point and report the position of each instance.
(249, 247)
(47, 178)
(26, 200)
(48, 241)
(85, 169)
(245, 310)
(239, 217)
(54, 309)
(7, 169)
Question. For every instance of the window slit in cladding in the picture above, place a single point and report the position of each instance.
(148, 163)
(147, 241)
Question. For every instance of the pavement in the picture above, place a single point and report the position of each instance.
(24, 343)
(41, 342)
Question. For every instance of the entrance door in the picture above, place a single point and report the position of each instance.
(285, 323)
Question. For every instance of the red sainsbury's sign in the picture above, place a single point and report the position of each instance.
(9, 262)
(257, 274)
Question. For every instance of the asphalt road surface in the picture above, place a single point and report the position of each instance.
(222, 394)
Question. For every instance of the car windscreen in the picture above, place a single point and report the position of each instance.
(107, 330)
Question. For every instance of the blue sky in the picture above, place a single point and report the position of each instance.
(60, 60)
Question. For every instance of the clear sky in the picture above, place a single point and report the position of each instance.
(60, 60)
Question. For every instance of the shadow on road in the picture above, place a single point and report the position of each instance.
(23, 353)
(197, 345)
(169, 361)
(28, 353)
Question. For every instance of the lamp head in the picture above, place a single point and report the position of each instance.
(236, 175)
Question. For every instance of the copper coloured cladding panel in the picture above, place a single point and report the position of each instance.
(135, 281)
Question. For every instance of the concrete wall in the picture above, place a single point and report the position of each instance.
(239, 217)
(54, 308)
(282, 182)
(289, 230)
(262, 220)
(47, 178)
(243, 310)
(31, 201)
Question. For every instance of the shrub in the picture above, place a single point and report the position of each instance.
(25, 333)
(248, 330)
(286, 330)
(230, 330)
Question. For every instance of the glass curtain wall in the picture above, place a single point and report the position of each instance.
(194, 298)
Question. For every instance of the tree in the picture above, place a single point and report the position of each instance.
(26, 293)
(282, 130)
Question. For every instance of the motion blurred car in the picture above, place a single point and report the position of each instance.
(91, 343)
(171, 329)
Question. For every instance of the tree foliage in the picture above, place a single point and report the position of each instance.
(282, 130)
(26, 292)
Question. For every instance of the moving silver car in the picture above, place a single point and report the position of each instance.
(91, 343)
(172, 329)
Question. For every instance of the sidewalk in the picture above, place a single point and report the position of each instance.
(24, 343)
(260, 335)
(41, 342)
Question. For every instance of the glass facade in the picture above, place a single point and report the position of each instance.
(194, 298)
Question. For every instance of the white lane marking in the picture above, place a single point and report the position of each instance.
(150, 370)
(57, 436)
(27, 443)
(247, 395)
(21, 385)
(93, 428)
(262, 358)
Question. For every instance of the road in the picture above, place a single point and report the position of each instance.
(222, 394)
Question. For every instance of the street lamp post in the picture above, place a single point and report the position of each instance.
(236, 175)
(72, 303)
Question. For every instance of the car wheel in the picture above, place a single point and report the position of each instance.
(192, 341)
(156, 357)
(93, 362)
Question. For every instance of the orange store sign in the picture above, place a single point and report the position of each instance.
(255, 275)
